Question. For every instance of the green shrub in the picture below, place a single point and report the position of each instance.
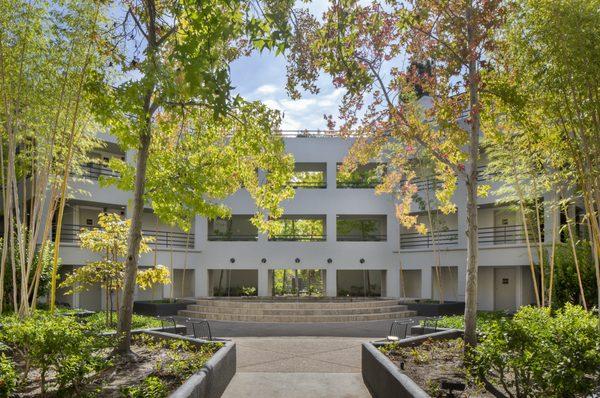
(248, 291)
(151, 387)
(57, 343)
(97, 322)
(8, 376)
(539, 355)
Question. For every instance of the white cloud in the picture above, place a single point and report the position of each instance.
(266, 89)
(298, 105)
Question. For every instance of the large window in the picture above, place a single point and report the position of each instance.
(300, 229)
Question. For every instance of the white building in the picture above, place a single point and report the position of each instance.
(222, 256)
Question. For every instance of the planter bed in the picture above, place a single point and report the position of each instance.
(160, 307)
(168, 364)
(427, 308)
(383, 377)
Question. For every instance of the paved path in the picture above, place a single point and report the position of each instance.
(283, 367)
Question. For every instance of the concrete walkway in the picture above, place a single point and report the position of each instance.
(297, 367)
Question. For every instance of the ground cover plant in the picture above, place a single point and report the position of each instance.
(63, 356)
(484, 320)
(536, 353)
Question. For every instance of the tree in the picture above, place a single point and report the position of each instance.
(175, 57)
(546, 79)
(110, 241)
(443, 45)
(47, 50)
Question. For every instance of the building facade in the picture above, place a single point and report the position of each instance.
(339, 238)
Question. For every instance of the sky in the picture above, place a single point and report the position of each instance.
(263, 76)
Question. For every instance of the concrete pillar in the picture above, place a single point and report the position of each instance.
(263, 282)
(392, 282)
(426, 282)
(331, 174)
(201, 282)
(461, 214)
(462, 281)
(519, 287)
(393, 232)
(200, 230)
(331, 282)
(331, 227)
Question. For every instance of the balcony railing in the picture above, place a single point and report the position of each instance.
(70, 233)
(358, 184)
(362, 238)
(505, 235)
(308, 184)
(415, 240)
(93, 171)
(232, 237)
(298, 238)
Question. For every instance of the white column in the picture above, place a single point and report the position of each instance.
(462, 281)
(330, 227)
(331, 282)
(518, 287)
(392, 282)
(263, 282)
(200, 232)
(201, 282)
(426, 282)
(331, 174)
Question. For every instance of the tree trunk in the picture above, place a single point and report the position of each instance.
(135, 237)
(470, 336)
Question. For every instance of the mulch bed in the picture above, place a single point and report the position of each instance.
(432, 362)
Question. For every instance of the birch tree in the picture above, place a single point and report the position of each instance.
(46, 52)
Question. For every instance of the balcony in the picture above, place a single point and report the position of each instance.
(93, 171)
(171, 239)
(364, 177)
(303, 228)
(357, 228)
(506, 235)
(309, 176)
(238, 228)
(415, 240)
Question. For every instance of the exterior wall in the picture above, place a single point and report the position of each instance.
(254, 259)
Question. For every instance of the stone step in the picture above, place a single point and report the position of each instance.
(250, 303)
(297, 318)
(296, 311)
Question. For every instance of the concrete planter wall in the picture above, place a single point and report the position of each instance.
(437, 309)
(384, 379)
(159, 308)
(212, 380)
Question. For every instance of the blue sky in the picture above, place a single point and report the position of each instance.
(262, 77)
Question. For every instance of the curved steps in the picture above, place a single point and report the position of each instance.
(256, 310)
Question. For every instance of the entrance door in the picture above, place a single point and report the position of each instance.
(505, 289)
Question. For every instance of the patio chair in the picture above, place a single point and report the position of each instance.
(165, 322)
(201, 329)
(399, 329)
(432, 322)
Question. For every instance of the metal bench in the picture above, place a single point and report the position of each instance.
(165, 323)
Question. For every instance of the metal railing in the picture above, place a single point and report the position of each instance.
(95, 170)
(357, 184)
(415, 240)
(232, 237)
(362, 238)
(308, 184)
(506, 235)
(70, 233)
(298, 238)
